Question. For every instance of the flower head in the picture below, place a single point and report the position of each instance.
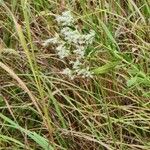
(72, 42)
(68, 72)
(62, 51)
(85, 72)
(65, 19)
(80, 51)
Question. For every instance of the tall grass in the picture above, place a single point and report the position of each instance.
(43, 109)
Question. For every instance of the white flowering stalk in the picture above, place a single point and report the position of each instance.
(71, 42)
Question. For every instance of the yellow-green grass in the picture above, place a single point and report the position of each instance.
(43, 109)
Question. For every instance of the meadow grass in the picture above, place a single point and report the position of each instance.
(42, 109)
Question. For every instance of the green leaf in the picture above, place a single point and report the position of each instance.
(1, 1)
(41, 141)
(105, 68)
(9, 139)
(108, 33)
(146, 94)
(132, 81)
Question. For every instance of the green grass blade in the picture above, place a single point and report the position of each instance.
(41, 141)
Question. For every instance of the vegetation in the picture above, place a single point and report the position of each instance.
(43, 109)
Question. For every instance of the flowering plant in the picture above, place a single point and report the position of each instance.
(72, 42)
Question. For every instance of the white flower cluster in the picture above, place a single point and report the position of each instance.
(71, 42)
(66, 19)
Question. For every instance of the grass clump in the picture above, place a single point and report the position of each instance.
(103, 103)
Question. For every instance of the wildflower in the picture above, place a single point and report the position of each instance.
(62, 51)
(71, 36)
(68, 72)
(49, 41)
(54, 40)
(72, 42)
(76, 64)
(90, 37)
(65, 19)
(80, 51)
(85, 73)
